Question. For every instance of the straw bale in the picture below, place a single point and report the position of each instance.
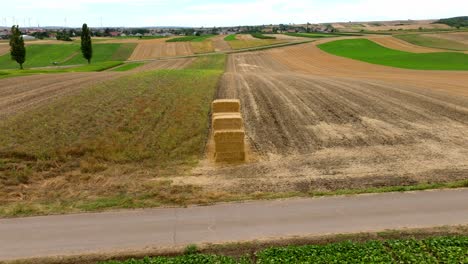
(229, 147)
(228, 122)
(230, 156)
(226, 106)
(237, 135)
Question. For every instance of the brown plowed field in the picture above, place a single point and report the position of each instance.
(398, 44)
(172, 64)
(22, 93)
(159, 48)
(4, 49)
(220, 44)
(320, 122)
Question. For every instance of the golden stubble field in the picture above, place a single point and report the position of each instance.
(317, 122)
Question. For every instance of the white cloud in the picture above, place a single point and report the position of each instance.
(203, 13)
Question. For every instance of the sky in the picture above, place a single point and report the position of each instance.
(209, 13)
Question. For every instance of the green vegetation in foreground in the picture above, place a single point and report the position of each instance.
(368, 51)
(96, 67)
(449, 249)
(68, 54)
(93, 144)
(128, 66)
(427, 41)
(190, 38)
(261, 36)
(230, 37)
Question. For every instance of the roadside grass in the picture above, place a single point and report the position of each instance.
(438, 249)
(261, 36)
(95, 67)
(245, 44)
(190, 38)
(205, 46)
(41, 55)
(427, 41)
(128, 66)
(113, 145)
(230, 37)
(368, 51)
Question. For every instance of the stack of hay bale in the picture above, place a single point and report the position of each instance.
(228, 131)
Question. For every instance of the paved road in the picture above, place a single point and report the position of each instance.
(84, 233)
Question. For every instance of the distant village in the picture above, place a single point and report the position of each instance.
(67, 34)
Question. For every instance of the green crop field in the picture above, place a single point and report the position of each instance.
(143, 123)
(42, 55)
(105, 52)
(68, 54)
(230, 38)
(368, 51)
(427, 41)
(190, 38)
(313, 35)
(261, 36)
(431, 250)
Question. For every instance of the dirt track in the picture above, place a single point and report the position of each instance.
(321, 122)
(220, 44)
(158, 48)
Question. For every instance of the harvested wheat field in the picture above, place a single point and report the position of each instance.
(461, 37)
(158, 48)
(398, 44)
(4, 49)
(20, 94)
(318, 122)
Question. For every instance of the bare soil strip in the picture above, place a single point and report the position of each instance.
(4, 49)
(220, 44)
(22, 93)
(398, 44)
(321, 122)
(159, 49)
(172, 64)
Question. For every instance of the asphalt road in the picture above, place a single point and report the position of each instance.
(112, 231)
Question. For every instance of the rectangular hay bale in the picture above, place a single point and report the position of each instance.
(229, 146)
(236, 135)
(228, 121)
(230, 156)
(226, 106)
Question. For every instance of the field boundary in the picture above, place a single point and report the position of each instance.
(241, 248)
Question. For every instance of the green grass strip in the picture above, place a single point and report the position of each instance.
(261, 36)
(230, 37)
(368, 51)
(190, 38)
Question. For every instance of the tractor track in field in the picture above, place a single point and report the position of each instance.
(321, 122)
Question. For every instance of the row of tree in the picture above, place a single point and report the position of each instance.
(18, 50)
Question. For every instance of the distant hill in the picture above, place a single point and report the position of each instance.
(455, 21)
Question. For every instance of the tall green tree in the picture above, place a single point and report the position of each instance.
(17, 49)
(86, 46)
